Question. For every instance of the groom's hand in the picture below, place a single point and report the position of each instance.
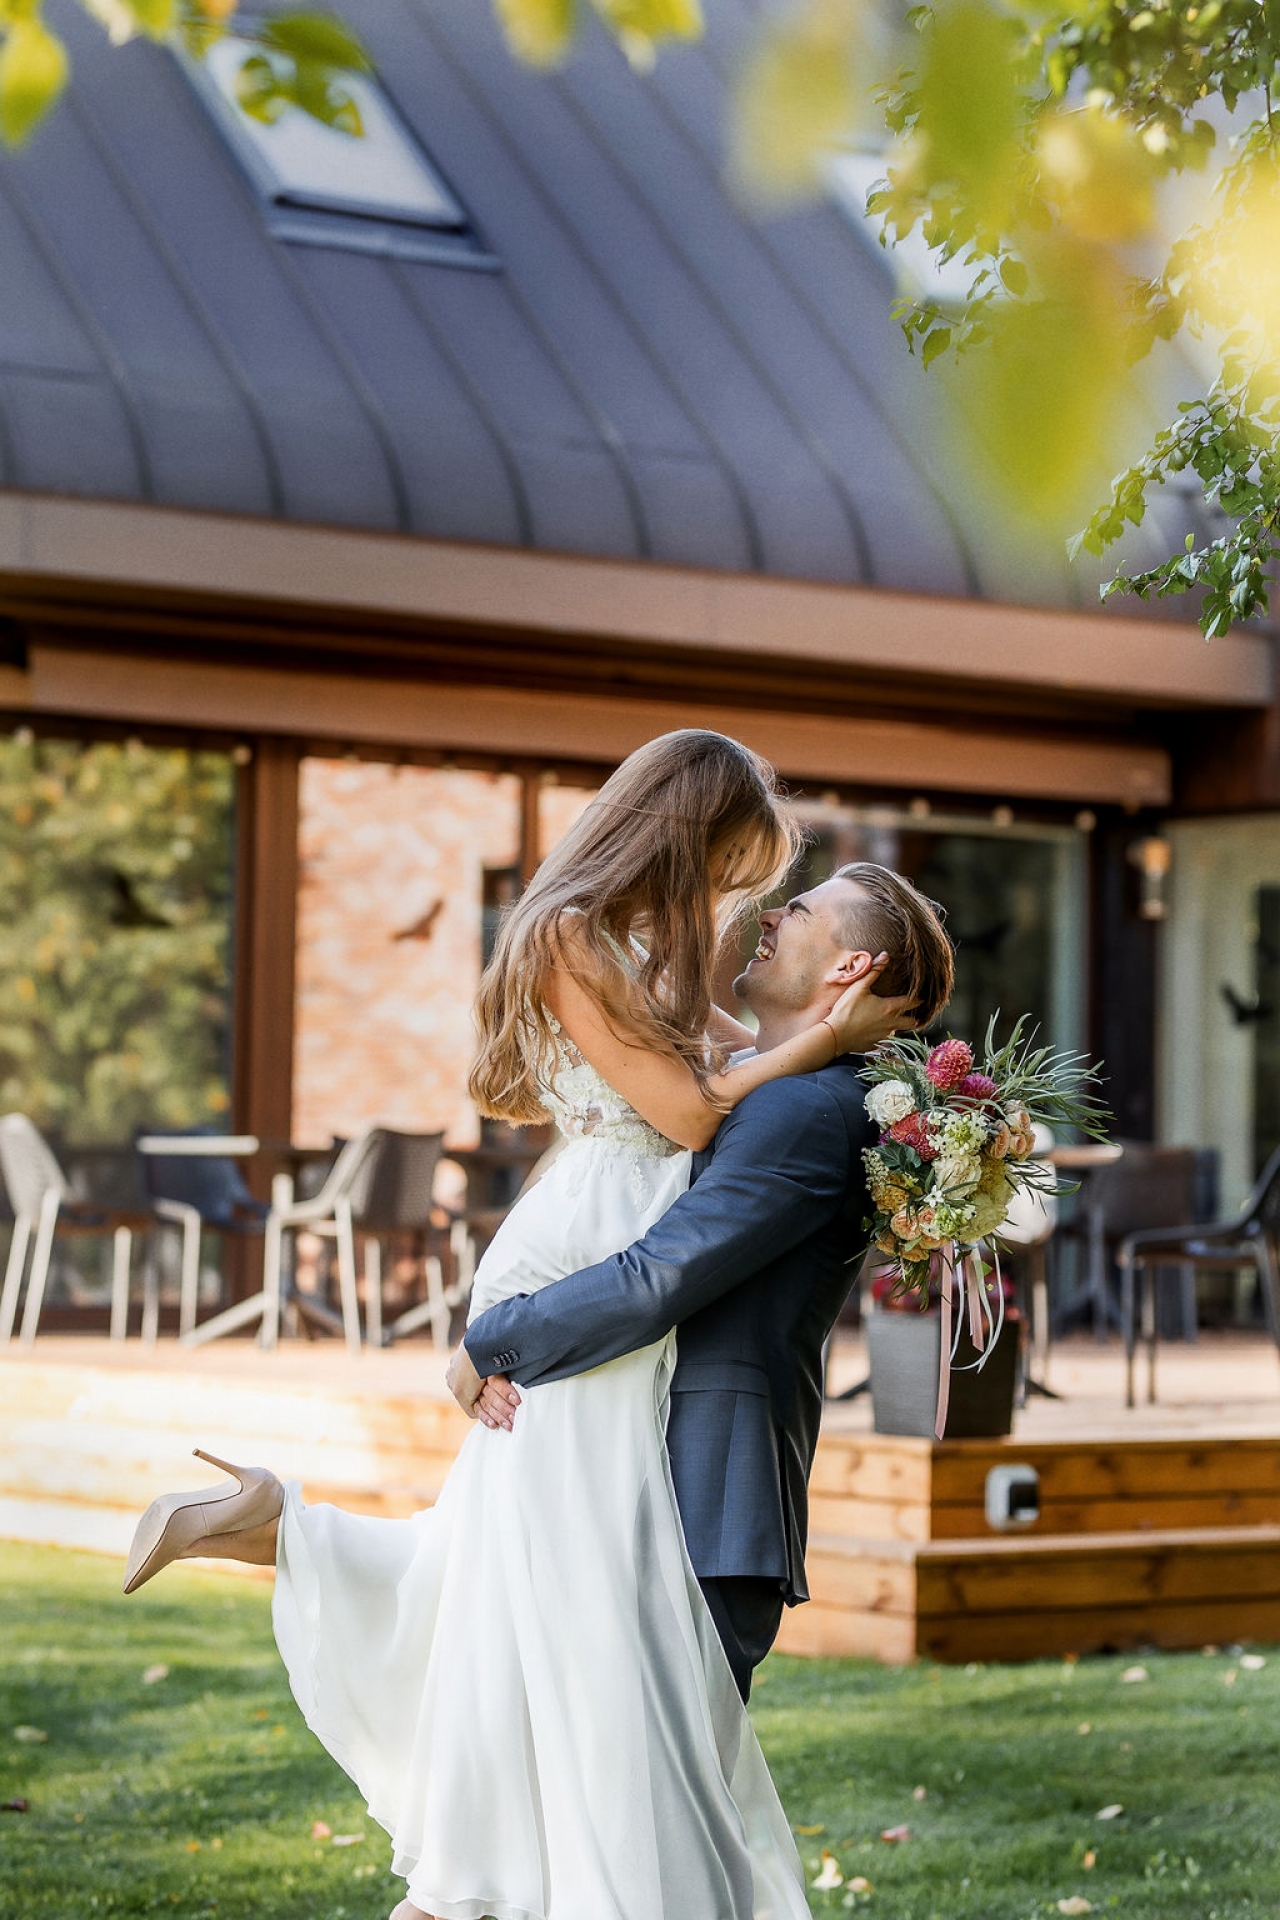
(464, 1383)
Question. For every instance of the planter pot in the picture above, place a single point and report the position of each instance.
(904, 1350)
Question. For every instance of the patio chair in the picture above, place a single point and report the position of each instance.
(1150, 1187)
(44, 1205)
(194, 1191)
(329, 1214)
(469, 1234)
(1248, 1239)
(395, 1194)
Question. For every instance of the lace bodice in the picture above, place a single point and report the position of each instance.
(586, 1108)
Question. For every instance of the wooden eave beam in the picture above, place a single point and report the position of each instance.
(58, 550)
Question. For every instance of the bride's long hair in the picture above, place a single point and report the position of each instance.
(670, 854)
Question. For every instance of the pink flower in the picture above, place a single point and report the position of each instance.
(949, 1063)
(978, 1086)
(912, 1132)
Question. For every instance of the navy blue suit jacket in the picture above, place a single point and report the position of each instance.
(752, 1263)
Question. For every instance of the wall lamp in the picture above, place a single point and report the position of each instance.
(1153, 858)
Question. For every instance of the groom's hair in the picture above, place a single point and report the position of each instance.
(894, 917)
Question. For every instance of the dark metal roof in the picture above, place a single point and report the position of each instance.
(650, 373)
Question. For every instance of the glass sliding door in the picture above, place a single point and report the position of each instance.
(1014, 897)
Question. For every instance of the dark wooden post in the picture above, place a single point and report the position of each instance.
(1123, 1009)
(266, 919)
(530, 824)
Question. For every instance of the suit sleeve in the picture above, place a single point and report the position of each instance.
(780, 1171)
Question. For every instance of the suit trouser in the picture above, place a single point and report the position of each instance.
(747, 1613)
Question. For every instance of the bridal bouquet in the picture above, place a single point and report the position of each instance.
(956, 1143)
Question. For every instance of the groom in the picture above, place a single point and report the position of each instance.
(752, 1263)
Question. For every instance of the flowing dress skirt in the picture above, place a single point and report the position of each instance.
(524, 1680)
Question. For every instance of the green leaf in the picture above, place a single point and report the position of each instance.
(258, 90)
(796, 100)
(935, 343)
(314, 37)
(1014, 275)
(156, 18)
(651, 20)
(969, 105)
(538, 31)
(33, 72)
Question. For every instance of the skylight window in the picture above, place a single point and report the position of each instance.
(376, 192)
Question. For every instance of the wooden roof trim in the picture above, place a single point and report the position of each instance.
(348, 707)
(68, 544)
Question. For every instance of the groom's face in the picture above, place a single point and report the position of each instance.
(804, 957)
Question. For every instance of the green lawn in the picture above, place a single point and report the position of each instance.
(196, 1792)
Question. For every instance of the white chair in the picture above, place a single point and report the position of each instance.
(43, 1205)
(329, 1214)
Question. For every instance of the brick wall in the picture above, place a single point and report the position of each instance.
(389, 942)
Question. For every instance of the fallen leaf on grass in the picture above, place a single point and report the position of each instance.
(1076, 1904)
(830, 1876)
(809, 1832)
(1109, 1813)
(32, 1735)
(194, 1846)
(896, 1833)
(1230, 1677)
(1084, 1727)
(1090, 1860)
(1132, 1675)
(1253, 1662)
(321, 1830)
(347, 1839)
(919, 1793)
(16, 1805)
(152, 1674)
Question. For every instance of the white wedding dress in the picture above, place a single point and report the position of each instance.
(524, 1680)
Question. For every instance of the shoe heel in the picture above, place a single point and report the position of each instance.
(236, 1473)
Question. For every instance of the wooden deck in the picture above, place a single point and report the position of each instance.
(1159, 1526)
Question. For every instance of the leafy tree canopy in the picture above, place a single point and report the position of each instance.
(115, 912)
(1039, 153)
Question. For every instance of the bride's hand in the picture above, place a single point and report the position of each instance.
(861, 1020)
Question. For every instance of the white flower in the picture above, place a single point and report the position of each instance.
(889, 1102)
(957, 1174)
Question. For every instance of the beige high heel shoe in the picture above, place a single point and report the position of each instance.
(173, 1524)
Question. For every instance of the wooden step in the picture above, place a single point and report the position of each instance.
(1018, 1598)
(937, 1491)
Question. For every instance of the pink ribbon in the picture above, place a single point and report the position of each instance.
(945, 1349)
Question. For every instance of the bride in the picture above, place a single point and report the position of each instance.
(524, 1680)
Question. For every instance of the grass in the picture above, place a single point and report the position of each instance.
(195, 1793)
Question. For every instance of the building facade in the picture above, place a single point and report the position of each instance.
(415, 514)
